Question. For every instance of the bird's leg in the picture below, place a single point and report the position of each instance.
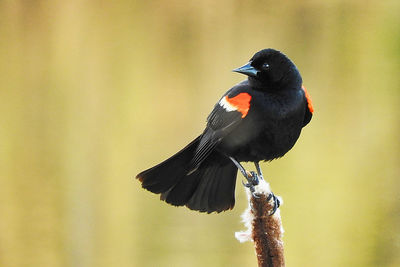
(239, 166)
(259, 172)
(251, 177)
(277, 203)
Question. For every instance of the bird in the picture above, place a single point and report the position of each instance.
(259, 119)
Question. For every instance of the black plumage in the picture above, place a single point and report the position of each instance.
(259, 119)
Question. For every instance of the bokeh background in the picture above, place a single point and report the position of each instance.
(92, 92)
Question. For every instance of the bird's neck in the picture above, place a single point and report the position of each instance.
(269, 86)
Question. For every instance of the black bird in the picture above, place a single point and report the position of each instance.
(259, 119)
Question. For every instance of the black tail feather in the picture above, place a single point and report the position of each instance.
(216, 192)
(163, 176)
(209, 188)
(180, 193)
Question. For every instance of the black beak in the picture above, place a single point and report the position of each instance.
(247, 70)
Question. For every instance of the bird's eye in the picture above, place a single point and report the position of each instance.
(265, 66)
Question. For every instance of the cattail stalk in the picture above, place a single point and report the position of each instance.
(264, 230)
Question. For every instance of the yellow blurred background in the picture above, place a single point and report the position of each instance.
(92, 92)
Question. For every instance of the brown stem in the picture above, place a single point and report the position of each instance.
(263, 229)
(267, 233)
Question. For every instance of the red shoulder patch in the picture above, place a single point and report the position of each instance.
(241, 103)
(309, 101)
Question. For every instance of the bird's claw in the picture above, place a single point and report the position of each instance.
(277, 203)
(252, 190)
(252, 180)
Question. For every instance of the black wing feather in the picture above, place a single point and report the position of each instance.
(219, 124)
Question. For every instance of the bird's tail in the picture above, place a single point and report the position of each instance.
(211, 187)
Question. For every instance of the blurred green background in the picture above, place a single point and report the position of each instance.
(92, 92)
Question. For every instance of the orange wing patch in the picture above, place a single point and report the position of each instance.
(241, 103)
(309, 101)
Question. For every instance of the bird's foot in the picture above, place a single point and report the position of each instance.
(252, 181)
(276, 201)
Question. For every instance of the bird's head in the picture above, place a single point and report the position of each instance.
(270, 69)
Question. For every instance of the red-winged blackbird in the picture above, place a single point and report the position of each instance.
(258, 119)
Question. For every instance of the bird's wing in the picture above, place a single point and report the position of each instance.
(227, 114)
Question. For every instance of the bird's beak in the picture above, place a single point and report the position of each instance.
(247, 70)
